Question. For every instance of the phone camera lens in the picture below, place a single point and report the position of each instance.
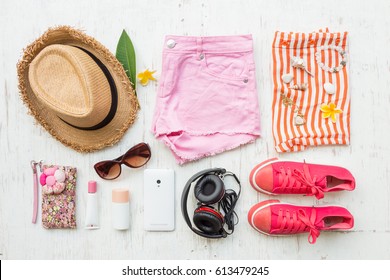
(158, 182)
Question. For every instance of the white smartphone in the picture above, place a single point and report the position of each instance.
(159, 200)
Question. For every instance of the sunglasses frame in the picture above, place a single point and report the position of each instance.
(120, 160)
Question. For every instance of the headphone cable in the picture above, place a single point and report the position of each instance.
(227, 204)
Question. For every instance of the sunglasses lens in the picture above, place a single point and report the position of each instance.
(138, 156)
(108, 169)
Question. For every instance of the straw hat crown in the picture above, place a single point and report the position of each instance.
(71, 84)
(76, 89)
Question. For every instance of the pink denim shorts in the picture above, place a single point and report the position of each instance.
(207, 100)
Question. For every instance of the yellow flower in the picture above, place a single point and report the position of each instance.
(330, 111)
(145, 76)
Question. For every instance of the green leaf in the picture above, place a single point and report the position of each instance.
(126, 55)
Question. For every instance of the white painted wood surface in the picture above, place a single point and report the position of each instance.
(147, 22)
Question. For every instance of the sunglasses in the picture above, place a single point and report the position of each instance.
(136, 157)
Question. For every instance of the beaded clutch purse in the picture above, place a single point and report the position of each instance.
(58, 185)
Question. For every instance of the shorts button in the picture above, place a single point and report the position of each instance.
(201, 56)
(246, 80)
(171, 43)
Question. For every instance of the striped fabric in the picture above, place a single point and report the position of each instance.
(317, 130)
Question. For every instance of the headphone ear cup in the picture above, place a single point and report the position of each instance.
(209, 189)
(208, 220)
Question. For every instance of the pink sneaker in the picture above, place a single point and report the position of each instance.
(271, 217)
(288, 177)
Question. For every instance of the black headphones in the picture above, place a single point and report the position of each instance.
(210, 189)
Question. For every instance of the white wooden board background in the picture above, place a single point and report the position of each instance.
(147, 22)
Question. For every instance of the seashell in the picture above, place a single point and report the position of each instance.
(299, 120)
(286, 101)
(50, 180)
(50, 171)
(329, 88)
(301, 87)
(287, 78)
(299, 63)
(60, 176)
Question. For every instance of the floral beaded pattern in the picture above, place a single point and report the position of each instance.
(59, 209)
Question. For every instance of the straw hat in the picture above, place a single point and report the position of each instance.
(76, 89)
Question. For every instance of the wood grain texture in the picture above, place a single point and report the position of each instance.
(147, 22)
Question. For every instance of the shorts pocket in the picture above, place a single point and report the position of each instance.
(230, 66)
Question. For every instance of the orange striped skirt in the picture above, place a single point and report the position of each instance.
(311, 102)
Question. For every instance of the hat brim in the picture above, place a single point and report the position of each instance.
(78, 139)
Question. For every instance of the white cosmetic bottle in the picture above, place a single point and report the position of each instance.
(92, 217)
(120, 209)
